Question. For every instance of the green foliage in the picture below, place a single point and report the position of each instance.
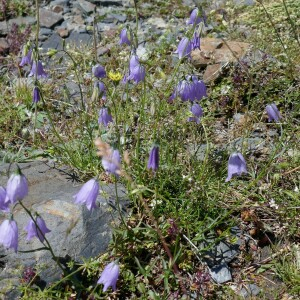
(186, 202)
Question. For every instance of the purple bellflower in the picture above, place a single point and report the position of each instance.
(184, 48)
(39, 232)
(88, 194)
(110, 276)
(37, 69)
(26, 59)
(9, 234)
(17, 188)
(4, 206)
(153, 161)
(104, 116)
(195, 43)
(273, 112)
(190, 89)
(136, 70)
(112, 162)
(197, 111)
(99, 71)
(236, 165)
(102, 90)
(195, 19)
(124, 37)
(36, 95)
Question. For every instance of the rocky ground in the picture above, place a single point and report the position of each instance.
(68, 23)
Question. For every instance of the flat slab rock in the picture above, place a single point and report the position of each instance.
(75, 231)
(214, 54)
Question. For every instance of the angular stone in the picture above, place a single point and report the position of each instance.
(231, 52)
(221, 273)
(120, 18)
(22, 21)
(212, 72)
(79, 37)
(200, 59)
(3, 28)
(215, 51)
(157, 22)
(210, 44)
(86, 6)
(57, 9)
(250, 290)
(75, 231)
(53, 42)
(49, 19)
(63, 32)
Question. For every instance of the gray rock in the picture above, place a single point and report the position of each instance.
(53, 42)
(3, 28)
(105, 27)
(22, 21)
(60, 2)
(86, 6)
(250, 290)
(157, 22)
(220, 274)
(75, 231)
(45, 31)
(244, 2)
(199, 151)
(80, 37)
(120, 18)
(49, 19)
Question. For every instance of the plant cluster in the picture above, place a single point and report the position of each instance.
(142, 116)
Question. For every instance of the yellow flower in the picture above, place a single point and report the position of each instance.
(115, 76)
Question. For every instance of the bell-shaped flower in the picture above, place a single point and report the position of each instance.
(195, 41)
(111, 162)
(236, 165)
(197, 111)
(190, 89)
(9, 234)
(88, 194)
(99, 71)
(104, 116)
(153, 161)
(136, 70)
(37, 69)
(17, 188)
(26, 59)
(124, 37)
(184, 48)
(110, 276)
(36, 97)
(198, 90)
(273, 112)
(38, 231)
(195, 18)
(4, 206)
